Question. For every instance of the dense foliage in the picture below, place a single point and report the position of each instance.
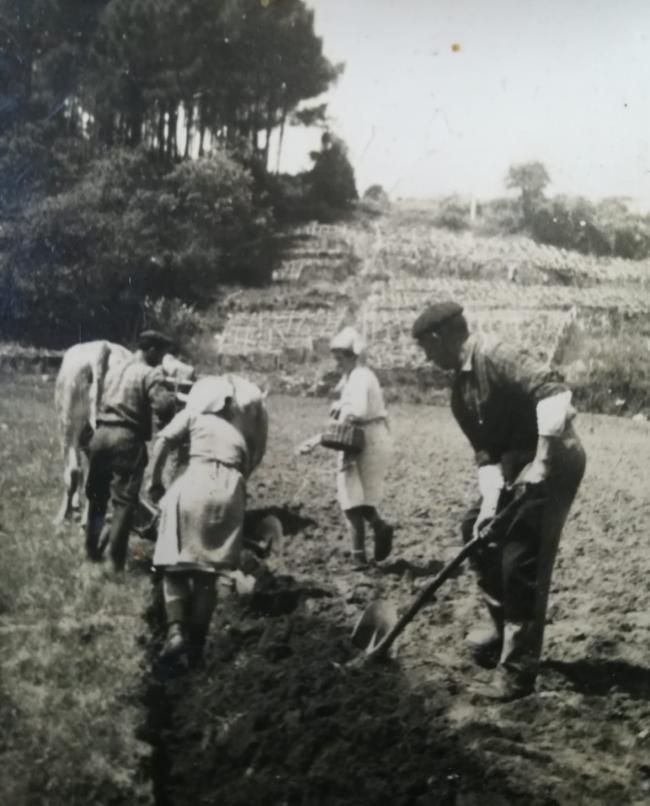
(608, 228)
(83, 261)
(127, 72)
(331, 180)
(134, 144)
(573, 222)
(325, 193)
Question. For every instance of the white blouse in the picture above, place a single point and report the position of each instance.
(361, 396)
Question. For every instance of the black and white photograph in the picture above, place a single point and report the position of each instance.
(325, 403)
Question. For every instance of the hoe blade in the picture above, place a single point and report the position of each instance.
(376, 621)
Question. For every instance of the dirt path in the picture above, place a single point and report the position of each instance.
(274, 718)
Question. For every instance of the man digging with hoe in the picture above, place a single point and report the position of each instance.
(517, 417)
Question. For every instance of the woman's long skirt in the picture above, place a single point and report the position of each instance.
(360, 479)
(201, 520)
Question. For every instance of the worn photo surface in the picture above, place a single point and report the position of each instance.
(324, 345)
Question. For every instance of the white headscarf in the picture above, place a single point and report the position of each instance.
(209, 395)
(349, 339)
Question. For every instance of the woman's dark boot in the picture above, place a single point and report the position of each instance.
(174, 643)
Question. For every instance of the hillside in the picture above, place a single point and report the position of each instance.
(587, 316)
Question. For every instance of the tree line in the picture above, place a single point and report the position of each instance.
(135, 153)
(123, 72)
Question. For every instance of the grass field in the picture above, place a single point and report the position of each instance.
(71, 666)
(273, 718)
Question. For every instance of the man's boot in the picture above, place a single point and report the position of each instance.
(510, 684)
(174, 643)
(485, 642)
(519, 662)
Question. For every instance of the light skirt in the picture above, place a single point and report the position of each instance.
(201, 518)
(360, 479)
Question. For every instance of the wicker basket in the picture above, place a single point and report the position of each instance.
(343, 437)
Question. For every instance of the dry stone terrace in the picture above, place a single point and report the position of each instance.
(391, 273)
(409, 248)
(379, 275)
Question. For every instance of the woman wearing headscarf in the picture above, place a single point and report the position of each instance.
(360, 477)
(202, 514)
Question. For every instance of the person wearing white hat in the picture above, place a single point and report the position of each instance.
(202, 515)
(360, 477)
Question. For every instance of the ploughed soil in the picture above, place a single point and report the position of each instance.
(278, 716)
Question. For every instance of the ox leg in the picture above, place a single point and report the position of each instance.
(76, 481)
(82, 498)
(84, 514)
(71, 479)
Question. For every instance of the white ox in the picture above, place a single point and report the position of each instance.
(78, 396)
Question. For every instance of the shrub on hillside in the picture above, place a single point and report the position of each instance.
(628, 232)
(377, 194)
(570, 223)
(332, 187)
(193, 331)
(453, 213)
(81, 263)
(326, 193)
(375, 201)
(180, 321)
(289, 197)
(606, 229)
(500, 217)
(631, 241)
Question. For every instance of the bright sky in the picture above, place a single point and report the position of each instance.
(566, 82)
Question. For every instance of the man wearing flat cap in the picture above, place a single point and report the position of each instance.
(134, 398)
(517, 417)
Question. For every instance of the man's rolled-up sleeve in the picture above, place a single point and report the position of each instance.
(545, 386)
(554, 413)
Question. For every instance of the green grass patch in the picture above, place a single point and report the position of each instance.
(71, 665)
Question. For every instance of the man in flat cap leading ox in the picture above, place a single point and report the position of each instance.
(517, 416)
(134, 397)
